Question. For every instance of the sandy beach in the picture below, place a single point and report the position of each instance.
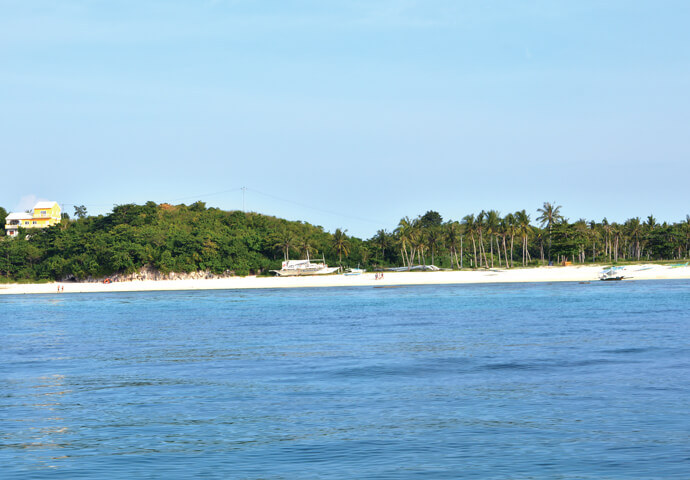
(390, 279)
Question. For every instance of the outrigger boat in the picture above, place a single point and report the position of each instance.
(354, 271)
(612, 273)
(293, 268)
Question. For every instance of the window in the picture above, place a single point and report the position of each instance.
(26, 222)
(44, 213)
(35, 222)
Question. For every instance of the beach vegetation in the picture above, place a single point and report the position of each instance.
(186, 239)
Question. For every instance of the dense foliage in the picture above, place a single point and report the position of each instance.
(165, 237)
(195, 238)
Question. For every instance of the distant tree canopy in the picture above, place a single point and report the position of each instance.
(3, 215)
(183, 239)
(431, 219)
(169, 238)
(79, 211)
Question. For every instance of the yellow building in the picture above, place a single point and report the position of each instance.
(44, 215)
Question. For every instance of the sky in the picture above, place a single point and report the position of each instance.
(348, 113)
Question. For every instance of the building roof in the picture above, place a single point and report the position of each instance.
(45, 205)
(19, 216)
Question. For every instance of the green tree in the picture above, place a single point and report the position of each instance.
(492, 222)
(382, 241)
(286, 240)
(341, 244)
(523, 229)
(470, 224)
(3, 215)
(550, 214)
(403, 232)
(431, 219)
(80, 211)
(434, 239)
(453, 236)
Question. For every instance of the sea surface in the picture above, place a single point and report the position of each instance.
(505, 381)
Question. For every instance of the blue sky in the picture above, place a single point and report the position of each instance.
(348, 114)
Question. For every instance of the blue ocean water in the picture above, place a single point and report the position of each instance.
(552, 381)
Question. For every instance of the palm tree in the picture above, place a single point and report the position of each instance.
(420, 243)
(504, 230)
(539, 237)
(381, 240)
(433, 237)
(286, 240)
(550, 214)
(492, 219)
(685, 227)
(305, 245)
(452, 232)
(481, 224)
(403, 232)
(523, 229)
(510, 227)
(594, 235)
(651, 222)
(634, 229)
(616, 232)
(606, 227)
(340, 244)
(471, 228)
(581, 232)
(416, 239)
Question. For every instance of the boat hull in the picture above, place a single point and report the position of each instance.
(305, 273)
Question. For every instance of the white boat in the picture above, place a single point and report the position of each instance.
(414, 268)
(612, 273)
(354, 271)
(292, 268)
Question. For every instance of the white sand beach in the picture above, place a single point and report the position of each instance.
(390, 279)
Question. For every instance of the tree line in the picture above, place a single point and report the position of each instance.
(191, 238)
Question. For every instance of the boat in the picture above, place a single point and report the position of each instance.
(293, 268)
(643, 268)
(354, 271)
(414, 268)
(612, 273)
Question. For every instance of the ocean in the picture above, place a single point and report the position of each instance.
(501, 381)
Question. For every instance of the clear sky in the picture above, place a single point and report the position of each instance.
(348, 113)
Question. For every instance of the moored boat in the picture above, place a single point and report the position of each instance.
(354, 271)
(612, 273)
(293, 268)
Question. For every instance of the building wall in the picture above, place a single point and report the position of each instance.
(45, 217)
(40, 218)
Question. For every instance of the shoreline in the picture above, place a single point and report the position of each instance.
(390, 279)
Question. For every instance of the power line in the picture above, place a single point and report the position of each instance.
(206, 194)
(87, 205)
(244, 190)
(330, 212)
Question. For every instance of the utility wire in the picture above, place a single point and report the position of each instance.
(206, 194)
(330, 212)
(246, 189)
(86, 205)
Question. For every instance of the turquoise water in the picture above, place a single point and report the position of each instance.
(567, 381)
